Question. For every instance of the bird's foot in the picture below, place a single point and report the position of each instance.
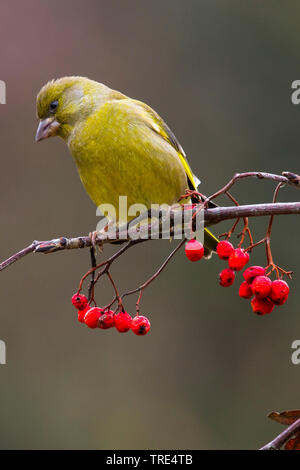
(93, 236)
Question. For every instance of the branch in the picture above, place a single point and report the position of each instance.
(211, 217)
(291, 179)
(278, 442)
(218, 214)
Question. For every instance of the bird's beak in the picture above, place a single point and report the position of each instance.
(47, 128)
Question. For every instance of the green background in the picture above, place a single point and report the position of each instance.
(220, 74)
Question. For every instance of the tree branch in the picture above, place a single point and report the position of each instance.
(218, 214)
(281, 439)
(211, 217)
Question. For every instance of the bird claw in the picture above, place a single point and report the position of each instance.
(93, 236)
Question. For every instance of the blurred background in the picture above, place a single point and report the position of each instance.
(208, 373)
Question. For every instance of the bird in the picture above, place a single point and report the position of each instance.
(120, 145)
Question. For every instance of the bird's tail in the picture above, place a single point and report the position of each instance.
(210, 243)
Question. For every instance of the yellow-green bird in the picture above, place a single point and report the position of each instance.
(121, 146)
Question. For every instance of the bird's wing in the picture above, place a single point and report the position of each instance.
(160, 127)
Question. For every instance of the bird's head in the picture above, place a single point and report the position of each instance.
(65, 102)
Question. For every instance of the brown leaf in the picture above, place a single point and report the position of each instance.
(286, 417)
(289, 445)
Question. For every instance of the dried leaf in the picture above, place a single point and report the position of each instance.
(289, 444)
(293, 444)
(286, 417)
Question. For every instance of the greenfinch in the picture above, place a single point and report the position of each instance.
(121, 146)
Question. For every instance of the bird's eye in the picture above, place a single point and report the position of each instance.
(53, 106)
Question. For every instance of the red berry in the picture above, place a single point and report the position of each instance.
(123, 322)
(262, 306)
(107, 320)
(226, 277)
(194, 250)
(245, 290)
(92, 316)
(189, 206)
(140, 325)
(224, 249)
(79, 301)
(280, 292)
(261, 287)
(237, 259)
(81, 313)
(247, 256)
(252, 272)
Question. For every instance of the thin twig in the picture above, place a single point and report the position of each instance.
(117, 295)
(156, 274)
(287, 177)
(107, 263)
(92, 282)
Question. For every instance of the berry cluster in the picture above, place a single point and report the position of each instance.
(236, 258)
(264, 292)
(96, 317)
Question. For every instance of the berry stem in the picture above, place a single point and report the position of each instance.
(138, 302)
(228, 234)
(107, 263)
(246, 228)
(118, 297)
(108, 306)
(271, 265)
(254, 245)
(92, 283)
(156, 274)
